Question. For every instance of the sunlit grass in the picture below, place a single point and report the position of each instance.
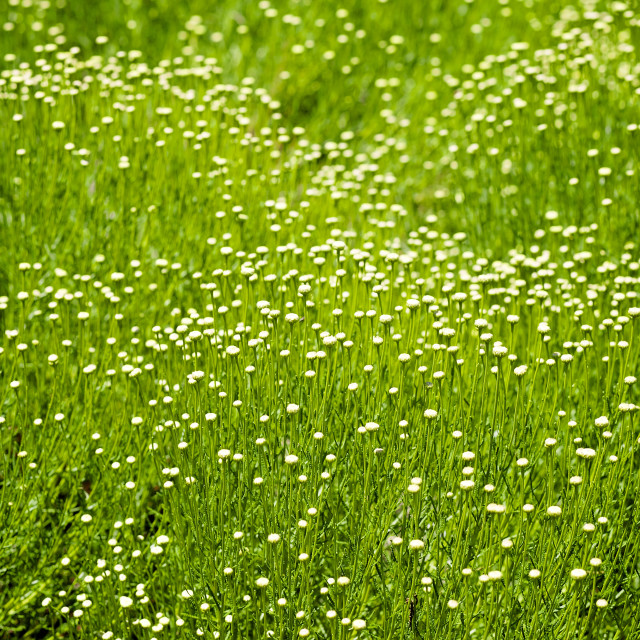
(319, 321)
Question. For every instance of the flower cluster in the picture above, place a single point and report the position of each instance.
(264, 378)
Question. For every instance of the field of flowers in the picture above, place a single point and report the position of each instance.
(319, 319)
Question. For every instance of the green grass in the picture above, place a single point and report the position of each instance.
(319, 320)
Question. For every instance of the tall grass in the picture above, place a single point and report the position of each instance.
(319, 320)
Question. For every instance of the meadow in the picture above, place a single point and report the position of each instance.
(318, 320)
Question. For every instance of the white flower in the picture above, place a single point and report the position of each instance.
(358, 624)
(372, 426)
(585, 452)
(125, 601)
(292, 408)
(224, 453)
(416, 545)
(602, 421)
(291, 459)
(554, 511)
(492, 507)
(543, 328)
(262, 582)
(578, 574)
(273, 538)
